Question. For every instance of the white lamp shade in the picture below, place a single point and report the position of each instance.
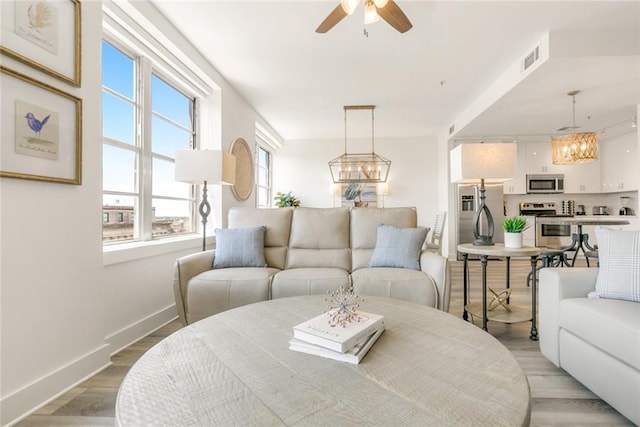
(493, 162)
(198, 166)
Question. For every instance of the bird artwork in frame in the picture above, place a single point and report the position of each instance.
(36, 131)
(41, 130)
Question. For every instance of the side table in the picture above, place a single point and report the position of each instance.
(498, 250)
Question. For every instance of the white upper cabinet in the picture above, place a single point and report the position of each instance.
(582, 177)
(538, 158)
(518, 185)
(619, 163)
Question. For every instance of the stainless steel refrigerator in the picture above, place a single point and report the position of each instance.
(468, 201)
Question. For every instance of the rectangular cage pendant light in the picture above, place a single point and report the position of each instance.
(359, 167)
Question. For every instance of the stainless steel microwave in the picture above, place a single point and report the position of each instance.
(545, 183)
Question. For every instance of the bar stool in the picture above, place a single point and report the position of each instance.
(550, 257)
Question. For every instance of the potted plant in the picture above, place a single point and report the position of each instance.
(513, 227)
(284, 200)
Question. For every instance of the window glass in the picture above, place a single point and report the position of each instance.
(164, 183)
(167, 137)
(172, 217)
(170, 103)
(117, 70)
(118, 119)
(118, 169)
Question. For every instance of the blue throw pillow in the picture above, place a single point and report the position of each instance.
(239, 247)
(398, 247)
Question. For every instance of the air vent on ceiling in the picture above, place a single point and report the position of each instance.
(531, 58)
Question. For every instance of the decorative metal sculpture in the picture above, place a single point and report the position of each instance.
(342, 308)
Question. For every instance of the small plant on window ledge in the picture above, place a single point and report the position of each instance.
(284, 200)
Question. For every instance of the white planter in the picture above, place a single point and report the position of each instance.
(513, 240)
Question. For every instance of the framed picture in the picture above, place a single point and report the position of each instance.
(41, 133)
(44, 34)
(359, 195)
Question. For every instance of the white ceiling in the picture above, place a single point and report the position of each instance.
(420, 81)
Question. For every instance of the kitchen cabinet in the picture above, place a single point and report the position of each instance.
(619, 163)
(582, 177)
(538, 158)
(518, 185)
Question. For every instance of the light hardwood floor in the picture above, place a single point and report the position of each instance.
(557, 399)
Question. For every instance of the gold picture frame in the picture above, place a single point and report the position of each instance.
(243, 186)
(36, 33)
(41, 131)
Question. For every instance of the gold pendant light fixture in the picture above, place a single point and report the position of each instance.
(579, 147)
(359, 167)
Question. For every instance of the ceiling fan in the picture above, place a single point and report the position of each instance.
(373, 11)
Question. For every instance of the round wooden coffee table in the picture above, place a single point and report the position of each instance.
(235, 368)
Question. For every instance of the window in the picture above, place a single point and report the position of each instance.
(105, 217)
(263, 180)
(145, 120)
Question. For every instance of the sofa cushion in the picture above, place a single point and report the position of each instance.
(611, 325)
(364, 227)
(405, 284)
(308, 281)
(215, 291)
(276, 236)
(319, 238)
(398, 247)
(619, 258)
(239, 247)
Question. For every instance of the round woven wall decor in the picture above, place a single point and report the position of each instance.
(243, 187)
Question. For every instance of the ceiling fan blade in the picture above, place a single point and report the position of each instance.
(330, 21)
(394, 16)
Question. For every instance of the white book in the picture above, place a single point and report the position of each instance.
(354, 355)
(337, 338)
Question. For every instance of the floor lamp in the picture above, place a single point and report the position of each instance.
(483, 163)
(204, 167)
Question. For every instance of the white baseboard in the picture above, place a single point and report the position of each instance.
(28, 399)
(23, 402)
(134, 332)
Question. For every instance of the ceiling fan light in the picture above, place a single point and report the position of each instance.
(380, 3)
(349, 6)
(370, 13)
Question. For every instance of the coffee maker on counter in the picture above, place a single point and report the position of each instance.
(625, 209)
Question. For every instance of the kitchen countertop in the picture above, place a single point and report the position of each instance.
(585, 219)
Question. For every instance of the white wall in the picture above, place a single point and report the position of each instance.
(65, 306)
(52, 314)
(301, 166)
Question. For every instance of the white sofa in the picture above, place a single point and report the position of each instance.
(596, 340)
(309, 251)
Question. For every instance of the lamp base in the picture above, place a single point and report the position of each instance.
(483, 241)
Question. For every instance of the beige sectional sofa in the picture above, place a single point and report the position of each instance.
(309, 251)
(590, 321)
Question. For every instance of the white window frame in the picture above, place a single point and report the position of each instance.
(128, 28)
(142, 147)
(269, 184)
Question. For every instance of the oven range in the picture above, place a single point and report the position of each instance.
(549, 235)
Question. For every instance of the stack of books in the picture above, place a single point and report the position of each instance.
(348, 344)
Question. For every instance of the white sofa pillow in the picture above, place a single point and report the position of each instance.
(619, 258)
